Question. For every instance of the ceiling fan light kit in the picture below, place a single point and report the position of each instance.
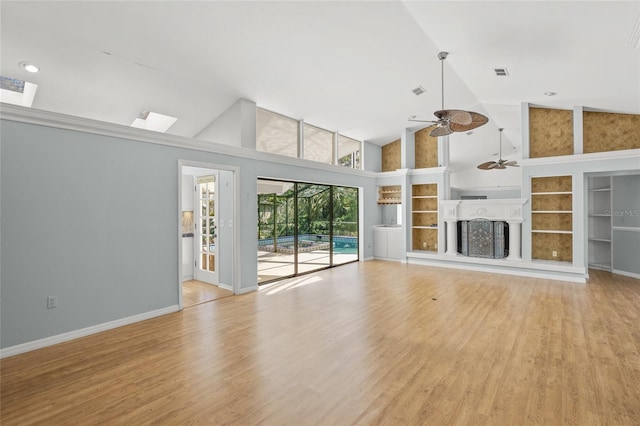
(452, 120)
(500, 164)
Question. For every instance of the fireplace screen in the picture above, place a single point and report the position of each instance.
(483, 238)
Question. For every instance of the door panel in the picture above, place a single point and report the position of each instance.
(206, 268)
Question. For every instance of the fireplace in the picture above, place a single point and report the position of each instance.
(484, 228)
(483, 238)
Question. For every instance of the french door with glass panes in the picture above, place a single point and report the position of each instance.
(206, 199)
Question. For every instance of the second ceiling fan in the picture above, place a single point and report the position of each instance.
(501, 164)
(452, 120)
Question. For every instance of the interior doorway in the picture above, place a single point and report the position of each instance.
(208, 259)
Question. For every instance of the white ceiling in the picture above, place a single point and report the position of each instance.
(346, 66)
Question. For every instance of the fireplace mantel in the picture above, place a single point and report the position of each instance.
(508, 210)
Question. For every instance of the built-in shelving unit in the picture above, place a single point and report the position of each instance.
(599, 219)
(552, 218)
(424, 215)
(390, 194)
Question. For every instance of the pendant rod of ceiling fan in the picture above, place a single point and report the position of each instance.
(442, 80)
(500, 130)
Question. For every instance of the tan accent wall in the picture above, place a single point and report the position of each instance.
(555, 202)
(543, 246)
(552, 221)
(424, 189)
(610, 132)
(550, 132)
(426, 149)
(425, 219)
(391, 156)
(551, 184)
(425, 204)
(428, 236)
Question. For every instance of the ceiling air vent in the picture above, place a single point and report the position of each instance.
(501, 72)
(418, 91)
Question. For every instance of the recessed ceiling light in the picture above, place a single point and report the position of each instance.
(550, 93)
(28, 66)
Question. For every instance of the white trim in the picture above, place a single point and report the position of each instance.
(398, 172)
(428, 171)
(225, 286)
(247, 290)
(625, 228)
(367, 259)
(501, 266)
(62, 121)
(578, 130)
(236, 272)
(524, 114)
(71, 335)
(625, 273)
(487, 188)
(582, 158)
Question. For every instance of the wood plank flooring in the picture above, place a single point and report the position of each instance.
(195, 292)
(367, 343)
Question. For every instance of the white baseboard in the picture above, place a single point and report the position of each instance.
(71, 335)
(187, 277)
(225, 287)
(625, 273)
(522, 272)
(248, 289)
(366, 259)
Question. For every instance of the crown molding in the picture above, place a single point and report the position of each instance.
(38, 117)
(581, 158)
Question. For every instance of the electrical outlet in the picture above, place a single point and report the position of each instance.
(554, 253)
(435, 246)
(424, 245)
(52, 302)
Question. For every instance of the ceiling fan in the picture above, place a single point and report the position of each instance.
(500, 164)
(452, 120)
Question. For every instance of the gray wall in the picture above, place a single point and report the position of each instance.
(94, 220)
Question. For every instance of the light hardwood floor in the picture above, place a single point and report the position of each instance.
(368, 343)
(195, 292)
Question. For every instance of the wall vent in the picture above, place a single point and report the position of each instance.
(418, 91)
(501, 72)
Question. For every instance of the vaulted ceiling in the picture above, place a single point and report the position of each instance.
(346, 66)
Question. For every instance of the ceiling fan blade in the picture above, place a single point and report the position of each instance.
(510, 163)
(477, 120)
(513, 165)
(441, 130)
(494, 166)
(456, 116)
(500, 167)
(487, 165)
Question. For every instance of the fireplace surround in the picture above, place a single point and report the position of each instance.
(484, 214)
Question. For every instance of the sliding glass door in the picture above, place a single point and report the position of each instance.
(304, 227)
(345, 225)
(314, 235)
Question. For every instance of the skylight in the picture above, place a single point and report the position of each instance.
(153, 121)
(16, 91)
